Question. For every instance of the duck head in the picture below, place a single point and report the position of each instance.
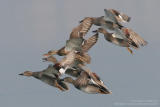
(51, 52)
(26, 73)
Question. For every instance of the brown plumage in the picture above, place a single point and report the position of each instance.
(71, 60)
(50, 59)
(121, 17)
(82, 55)
(48, 76)
(76, 39)
(82, 28)
(125, 38)
(84, 83)
(134, 37)
(89, 42)
(102, 22)
(95, 78)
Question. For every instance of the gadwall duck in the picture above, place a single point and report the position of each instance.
(74, 58)
(124, 37)
(76, 68)
(76, 39)
(69, 61)
(121, 17)
(74, 71)
(48, 76)
(70, 71)
(84, 83)
(115, 16)
(102, 22)
(111, 20)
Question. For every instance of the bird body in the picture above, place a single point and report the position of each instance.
(74, 44)
(124, 38)
(84, 84)
(121, 17)
(75, 40)
(48, 77)
(75, 53)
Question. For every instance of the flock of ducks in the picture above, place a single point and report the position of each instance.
(76, 57)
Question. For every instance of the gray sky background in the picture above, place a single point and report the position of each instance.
(29, 28)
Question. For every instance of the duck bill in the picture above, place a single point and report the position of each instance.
(46, 55)
(20, 74)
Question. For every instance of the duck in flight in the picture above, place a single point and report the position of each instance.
(75, 41)
(124, 38)
(84, 83)
(48, 76)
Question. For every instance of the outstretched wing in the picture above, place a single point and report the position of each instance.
(135, 37)
(95, 78)
(73, 59)
(89, 42)
(50, 71)
(84, 57)
(73, 72)
(68, 59)
(82, 79)
(121, 17)
(82, 28)
(109, 16)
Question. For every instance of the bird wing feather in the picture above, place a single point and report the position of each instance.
(136, 38)
(90, 42)
(82, 28)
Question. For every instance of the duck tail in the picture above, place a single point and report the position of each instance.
(104, 90)
(63, 85)
(134, 45)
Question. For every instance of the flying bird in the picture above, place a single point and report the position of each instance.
(48, 76)
(84, 83)
(115, 16)
(76, 39)
(120, 17)
(124, 38)
(76, 57)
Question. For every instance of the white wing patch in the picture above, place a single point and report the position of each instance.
(93, 81)
(114, 35)
(62, 70)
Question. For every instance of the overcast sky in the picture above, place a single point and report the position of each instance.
(30, 28)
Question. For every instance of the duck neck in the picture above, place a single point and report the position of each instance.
(104, 32)
(97, 20)
(61, 51)
(37, 75)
